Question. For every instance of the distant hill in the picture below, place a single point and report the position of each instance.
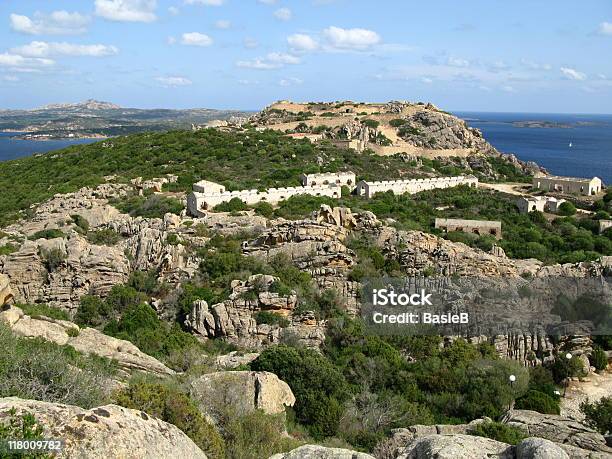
(93, 118)
(386, 128)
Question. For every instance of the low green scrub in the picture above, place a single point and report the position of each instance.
(167, 403)
(500, 432)
(105, 236)
(47, 234)
(271, 318)
(599, 359)
(538, 401)
(38, 310)
(7, 249)
(598, 414)
(21, 427)
(233, 205)
(41, 370)
(152, 206)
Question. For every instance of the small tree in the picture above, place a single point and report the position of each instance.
(566, 209)
(599, 359)
(599, 414)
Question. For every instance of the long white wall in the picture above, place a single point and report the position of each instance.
(198, 203)
(368, 189)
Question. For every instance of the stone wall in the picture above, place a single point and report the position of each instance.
(198, 203)
(604, 225)
(368, 189)
(480, 227)
(539, 203)
(340, 178)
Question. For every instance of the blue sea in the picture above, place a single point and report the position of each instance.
(590, 135)
(12, 148)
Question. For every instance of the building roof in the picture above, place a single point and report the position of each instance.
(567, 179)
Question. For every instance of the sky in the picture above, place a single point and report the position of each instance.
(541, 56)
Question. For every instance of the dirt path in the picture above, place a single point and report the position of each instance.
(593, 387)
(517, 189)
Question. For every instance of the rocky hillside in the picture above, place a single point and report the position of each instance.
(413, 128)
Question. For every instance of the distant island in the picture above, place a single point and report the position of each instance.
(95, 119)
(542, 125)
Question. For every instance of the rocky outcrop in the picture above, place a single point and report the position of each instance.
(85, 340)
(242, 392)
(557, 429)
(457, 446)
(108, 431)
(321, 452)
(234, 359)
(539, 448)
(6, 294)
(235, 319)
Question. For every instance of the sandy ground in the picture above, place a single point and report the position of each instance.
(593, 387)
(517, 189)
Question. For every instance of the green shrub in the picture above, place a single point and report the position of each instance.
(233, 205)
(563, 368)
(22, 427)
(81, 223)
(397, 122)
(373, 124)
(599, 414)
(256, 435)
(538, 401)
(7, 249)
(153, 206)
(271, 318)
(168, 404)
(52, 258)
(264, 209)
(500, 432)
(599, 359)
(47, 234)
(37, 310)
(105, 236)
(567, 209)
(41, 370)
(319, 388)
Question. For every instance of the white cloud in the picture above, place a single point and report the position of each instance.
(196, 39)
(270, 62)
(605, 28)
(250, 43)
(171, 40)
(573, 74)
(24, 63)
(351, 38)
(292, 81)
(11, 78)
(56, 23)
(535, 65)
(508, 89)
(283, 14)
(174, 11)
(45, 49)
(174, 81)
(302, 42)
(457, 62)
(427, 80)
(205, 2)
(223, 24)
(127, 10)
(267, 2)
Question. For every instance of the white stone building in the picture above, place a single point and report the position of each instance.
(369, 189)
(330, 178)
(604, 225)
(539, 203)
(583, 186)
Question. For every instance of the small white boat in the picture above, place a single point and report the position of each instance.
(570, 144)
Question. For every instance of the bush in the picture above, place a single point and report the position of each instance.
(7, 249)
(319, 388)
(563, 368)
(171, 405)
(37, 310)
(256, 435)
(599, 414)
(271, 318)
(264, 209)
(538, 401)
(47, 234)
(41, 370)
(52, 258)
(599, 359)
(81, 223)
(567, 209)
(104, 237)
(373, 124)
(234, 205)
(153, 206)
(397, 122)
(22, 427)
(500, 432)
